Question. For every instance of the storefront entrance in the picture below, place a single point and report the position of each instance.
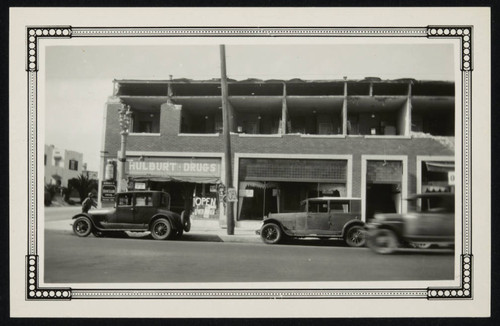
(383, 187)
(279, 185)
(192, 182)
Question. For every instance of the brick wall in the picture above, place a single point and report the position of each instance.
(170, 141)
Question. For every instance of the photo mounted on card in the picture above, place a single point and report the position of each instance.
(321, 159)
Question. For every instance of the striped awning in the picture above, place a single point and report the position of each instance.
(435, 166)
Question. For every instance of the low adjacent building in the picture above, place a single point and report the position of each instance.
(61, 165)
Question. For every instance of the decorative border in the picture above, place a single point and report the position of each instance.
(35, 34)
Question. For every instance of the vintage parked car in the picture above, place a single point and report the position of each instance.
(430, 221)
(135, 211)
(322, 217)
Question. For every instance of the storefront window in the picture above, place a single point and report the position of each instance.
(205, 201)
(280, 185)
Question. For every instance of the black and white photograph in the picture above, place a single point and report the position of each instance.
(268, 160)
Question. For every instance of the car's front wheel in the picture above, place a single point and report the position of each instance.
(383, 241)
(82, 226)
(355, 236)
(271, 233)
(161, 229)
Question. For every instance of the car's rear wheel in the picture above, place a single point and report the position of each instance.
(383, 241)
(82, 226)
(161, 229)
(271, 233)
(355, 236)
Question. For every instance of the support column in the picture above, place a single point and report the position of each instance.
(344, 109)
(284, 111)
(408, 111)
(227, 141)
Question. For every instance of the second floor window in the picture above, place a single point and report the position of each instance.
(145, 121)
(73, 165)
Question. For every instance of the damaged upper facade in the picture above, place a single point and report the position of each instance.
(378, 140)
(369, 107)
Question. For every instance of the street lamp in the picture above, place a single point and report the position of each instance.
(124, 114)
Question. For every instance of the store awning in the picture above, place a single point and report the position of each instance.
(178, 179)
(440, 166)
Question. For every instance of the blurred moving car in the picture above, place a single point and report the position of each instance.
(322, 217)
(430, 221)
(135, 211)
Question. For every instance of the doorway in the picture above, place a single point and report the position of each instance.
(384, 185)
(382, 198)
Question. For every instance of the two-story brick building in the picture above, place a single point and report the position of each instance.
(379, 140)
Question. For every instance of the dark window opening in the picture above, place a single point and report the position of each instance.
(201, 123)
(315, 89)
(255, 89)
(377, 123)
(390, 89)
(142, 89)
(433, 122)
(143, 121)
(315, 123)
(433, 89)
(358, 88)
(73, 165)
(255, 123)
(196, 89)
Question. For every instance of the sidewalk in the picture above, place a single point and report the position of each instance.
(244, 231)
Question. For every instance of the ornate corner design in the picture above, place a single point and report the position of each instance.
(35, 33)
(464, 291)
(464, 33)
(36, 293)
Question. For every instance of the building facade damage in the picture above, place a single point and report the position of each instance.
(380, 140)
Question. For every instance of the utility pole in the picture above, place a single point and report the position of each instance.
(227, 140)
(124, 114)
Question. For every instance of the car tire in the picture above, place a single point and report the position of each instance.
(161, 229)
(186, 221)
(420, 245)
(82, 226)
(271, 233)
(355, 236)
(383, 241)
(98, 234)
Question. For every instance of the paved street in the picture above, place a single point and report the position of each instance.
(203, 257)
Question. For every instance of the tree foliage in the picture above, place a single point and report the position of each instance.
(83, 185)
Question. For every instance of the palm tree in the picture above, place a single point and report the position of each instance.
(83, 185)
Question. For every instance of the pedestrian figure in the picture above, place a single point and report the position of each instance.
(88, 203)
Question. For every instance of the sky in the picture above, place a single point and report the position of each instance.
(79, 79)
